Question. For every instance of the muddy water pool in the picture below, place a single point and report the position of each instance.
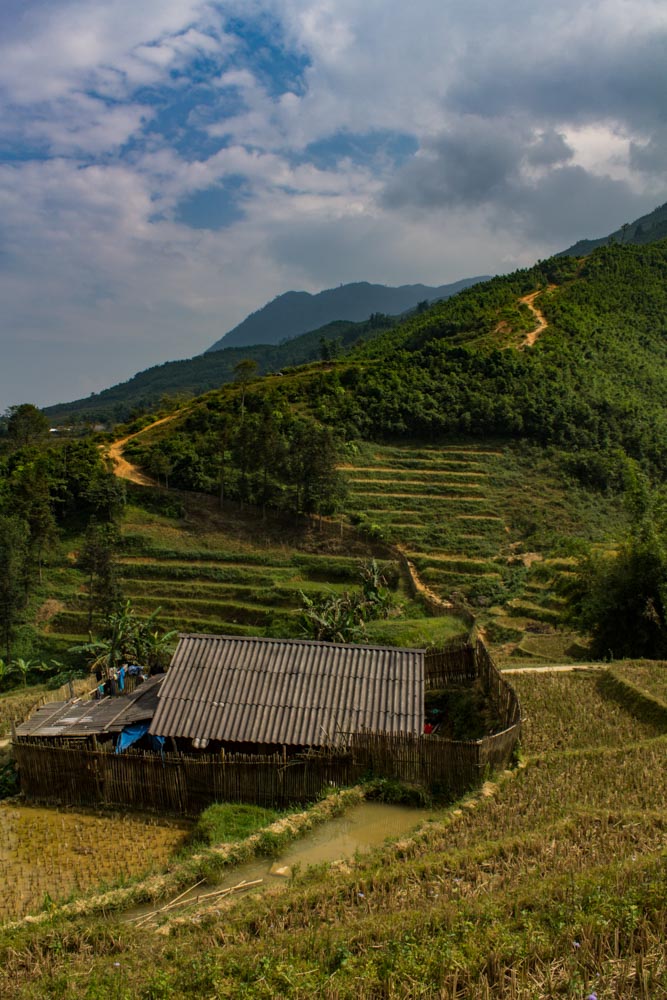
(48, 853)
(359, 830)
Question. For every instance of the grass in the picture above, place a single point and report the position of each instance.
(416, 632)
(550, 883)
(225, 822)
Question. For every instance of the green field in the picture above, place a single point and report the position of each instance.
(496, 524)
(233, 573)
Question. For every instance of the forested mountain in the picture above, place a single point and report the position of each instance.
(294, 313)
(594, 381)
(648, 229)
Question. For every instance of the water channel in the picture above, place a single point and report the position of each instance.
(359, 830)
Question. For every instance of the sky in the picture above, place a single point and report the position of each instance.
(168, 166)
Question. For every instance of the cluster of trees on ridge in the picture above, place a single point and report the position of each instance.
(46, 488)
(261, 452)
(176, 382)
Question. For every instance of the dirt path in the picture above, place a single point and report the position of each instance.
(555, 668)
(126, 470)
(529, 300)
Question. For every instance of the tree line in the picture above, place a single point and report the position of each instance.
(251, 447)
(46, 488)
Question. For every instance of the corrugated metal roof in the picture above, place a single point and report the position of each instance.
(288, 691)
(85, 718)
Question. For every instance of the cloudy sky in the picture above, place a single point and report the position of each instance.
(167, 166)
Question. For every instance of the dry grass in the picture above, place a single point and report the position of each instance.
(551, 884)
(649, 676)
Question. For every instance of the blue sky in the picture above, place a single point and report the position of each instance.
(168, 166)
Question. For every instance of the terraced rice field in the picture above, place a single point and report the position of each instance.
(441, 506)
(462, 514)
(550, 883)
(434, 501)
(49, 854)
(221, 574)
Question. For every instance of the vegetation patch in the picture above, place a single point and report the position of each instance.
(225, 822)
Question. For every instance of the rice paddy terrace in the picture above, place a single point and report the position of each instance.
(468, 516)
(489, 523)
(550, 883)
(234, 573)
(224, 573)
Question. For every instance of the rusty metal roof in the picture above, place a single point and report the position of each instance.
(85, 718)
(287, 691)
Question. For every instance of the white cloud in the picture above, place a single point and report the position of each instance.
(536, 124)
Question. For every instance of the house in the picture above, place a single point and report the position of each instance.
(257, 695)
(268, 721)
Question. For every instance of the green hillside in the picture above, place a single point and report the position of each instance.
(595, 379)
(186, 379)
(497, 461)
(647, 229)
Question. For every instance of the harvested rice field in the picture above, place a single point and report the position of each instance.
(550, 882)
(49, 854)
(647, 676)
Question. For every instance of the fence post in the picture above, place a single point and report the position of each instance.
(99, 784)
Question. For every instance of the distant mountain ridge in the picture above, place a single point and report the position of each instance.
(294, 313)
(647, 229)
(194, 376)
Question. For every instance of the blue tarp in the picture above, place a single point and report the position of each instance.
(133, 733)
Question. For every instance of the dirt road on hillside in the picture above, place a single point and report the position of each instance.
(529, 300)
(126, 470)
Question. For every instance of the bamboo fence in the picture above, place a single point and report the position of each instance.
(187, 783)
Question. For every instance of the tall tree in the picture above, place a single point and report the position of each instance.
(26, 424)
(98, 560)
(14, 575)
(244, 372)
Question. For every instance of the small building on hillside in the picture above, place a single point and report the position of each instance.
(121, 720)
(268, 721)
(253, 695)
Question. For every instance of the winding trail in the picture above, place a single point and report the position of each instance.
(126, 470)
(542, 324)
